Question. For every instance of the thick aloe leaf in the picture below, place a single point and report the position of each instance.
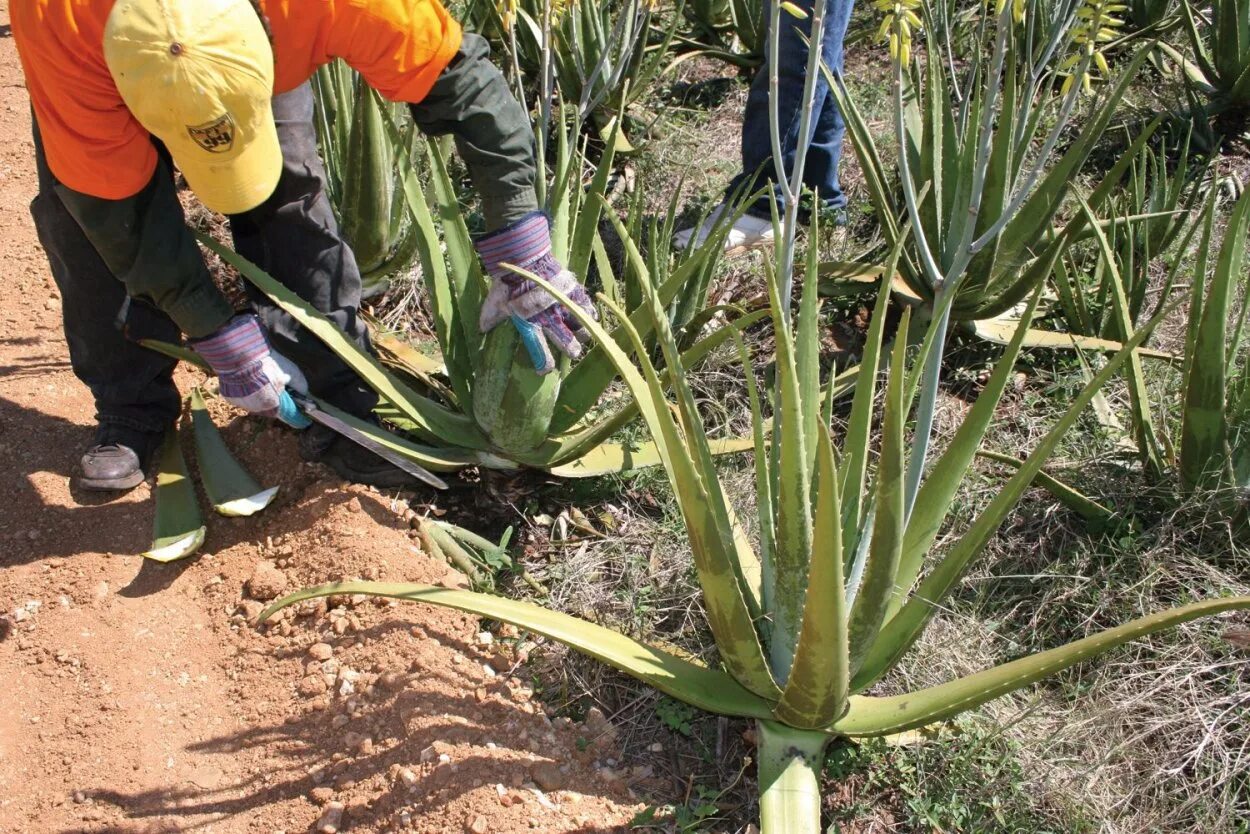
(231, 490)
(452, 304)
(434, 421)
(1204, 453)
(933, 501)
(1000, 330)
(905, 627)
(885, 550)
(715, 540)
(763, 483)
(816, 691)
(699, 686)
(614, 458)
(1069, 496)
(512, 403)
(178, 531)
(586, 229)
(856, 444)
(461, 255)
(807, 353)
(870, 716)
(1143, 421)
(785, 574)
(728, 535)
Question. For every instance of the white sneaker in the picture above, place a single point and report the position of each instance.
(749, 232)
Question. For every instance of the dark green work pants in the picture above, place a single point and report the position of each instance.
(293, 236)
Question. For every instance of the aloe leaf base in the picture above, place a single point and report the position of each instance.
(790, 762)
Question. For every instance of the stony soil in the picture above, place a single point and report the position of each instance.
(139, 697)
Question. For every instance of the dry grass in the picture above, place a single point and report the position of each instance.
(1152, 738)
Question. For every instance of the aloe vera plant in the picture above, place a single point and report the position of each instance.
(1214, 449)
(494, 411)
(597, 55)
(1223, 52)
(978, 176)
(728, 30)
(1167, 200)
(834, 594)
(361, 180)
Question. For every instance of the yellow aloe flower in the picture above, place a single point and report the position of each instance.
(507, 13)
(1096, 25)
(897, 25)
(1017, 9)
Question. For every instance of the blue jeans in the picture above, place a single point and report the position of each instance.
(820, 173)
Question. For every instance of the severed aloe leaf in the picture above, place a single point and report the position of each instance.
(178, 531)
(230, 489)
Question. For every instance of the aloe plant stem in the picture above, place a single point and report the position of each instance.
(545, 85)
(946, 282)
(1039, 165)
(793, 187)
(790, 761)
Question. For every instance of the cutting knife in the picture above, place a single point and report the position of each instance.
(310, 409)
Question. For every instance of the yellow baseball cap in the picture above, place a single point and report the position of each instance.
(198, 75)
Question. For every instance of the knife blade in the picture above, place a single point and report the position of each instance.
(314, 412)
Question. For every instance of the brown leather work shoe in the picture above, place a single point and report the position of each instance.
(117, 460)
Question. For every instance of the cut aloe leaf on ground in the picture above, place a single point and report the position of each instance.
(231, 490)
(178, 531)
(1065, 494)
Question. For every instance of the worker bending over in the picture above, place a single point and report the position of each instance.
(124, 90)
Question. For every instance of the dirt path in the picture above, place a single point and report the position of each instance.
(138, 698)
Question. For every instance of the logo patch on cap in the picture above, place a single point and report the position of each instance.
(216, 136)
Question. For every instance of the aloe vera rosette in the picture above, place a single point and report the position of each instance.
(835, 594)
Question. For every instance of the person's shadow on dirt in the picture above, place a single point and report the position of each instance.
(46, 517)
(408, 717)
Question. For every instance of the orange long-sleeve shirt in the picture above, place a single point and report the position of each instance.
(95, 146)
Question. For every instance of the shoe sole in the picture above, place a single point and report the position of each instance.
(747, 247)
(111, 485)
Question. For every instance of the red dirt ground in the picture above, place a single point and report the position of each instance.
(136, 697)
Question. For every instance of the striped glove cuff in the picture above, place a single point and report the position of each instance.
(240, 343)
(525, 244)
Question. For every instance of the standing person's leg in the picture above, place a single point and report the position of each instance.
(759, 171)
(135, 397)
(295, 237)
(820, 173)
(758, 167)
